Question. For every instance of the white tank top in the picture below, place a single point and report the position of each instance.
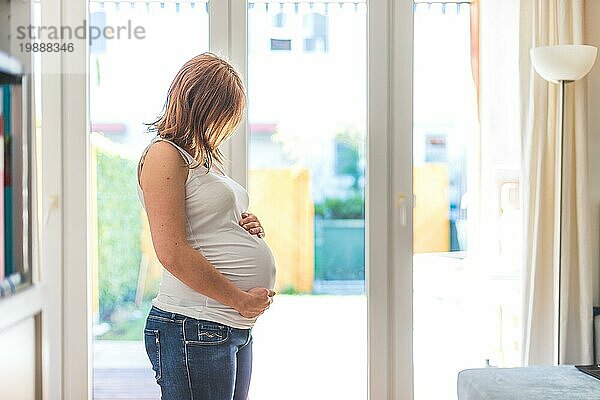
(213, 207)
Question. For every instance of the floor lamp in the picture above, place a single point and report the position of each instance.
(562, 64)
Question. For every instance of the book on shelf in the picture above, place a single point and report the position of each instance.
(10, 284)
(15, 231)
(4, 128)
(7, 209)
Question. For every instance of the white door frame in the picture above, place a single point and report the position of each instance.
(64, 199)
(389, 199)
(77, 288)
(388, 205)
(402, 198)
(228, 38)
(50, 251)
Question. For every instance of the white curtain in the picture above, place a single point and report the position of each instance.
(498, 250)
(550, 22)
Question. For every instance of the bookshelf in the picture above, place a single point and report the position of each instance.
(21, 296)
(15, 244)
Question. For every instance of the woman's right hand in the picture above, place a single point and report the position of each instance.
(255, 301)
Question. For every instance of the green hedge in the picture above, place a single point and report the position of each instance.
(119, 227)
(352, 207)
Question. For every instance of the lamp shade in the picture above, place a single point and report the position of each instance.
(564, 62)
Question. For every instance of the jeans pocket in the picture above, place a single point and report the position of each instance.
(211, 333)
(152, 343)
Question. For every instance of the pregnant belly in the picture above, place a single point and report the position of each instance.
(244, 259)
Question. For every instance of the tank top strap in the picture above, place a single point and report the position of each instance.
(186, 156)
(191, 161)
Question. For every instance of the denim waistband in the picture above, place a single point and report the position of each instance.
(165, 314)
(175, 317)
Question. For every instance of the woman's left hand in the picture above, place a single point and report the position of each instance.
(250, 223)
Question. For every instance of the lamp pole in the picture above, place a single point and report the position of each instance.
(561, 64)
(560, 145)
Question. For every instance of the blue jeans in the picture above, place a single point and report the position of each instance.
(196, 359)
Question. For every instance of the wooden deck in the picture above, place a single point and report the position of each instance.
(120, 384)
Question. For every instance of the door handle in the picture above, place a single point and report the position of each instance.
(401, 200)
(52, 204)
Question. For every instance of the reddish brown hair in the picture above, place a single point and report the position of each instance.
(205, 103)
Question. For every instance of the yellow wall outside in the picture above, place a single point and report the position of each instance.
(280, 198)
(431, 223)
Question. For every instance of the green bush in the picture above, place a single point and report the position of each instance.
(289, 289)
(352, 207)
(119, 226)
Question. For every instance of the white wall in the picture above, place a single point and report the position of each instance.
(18, 360)
(592, 31)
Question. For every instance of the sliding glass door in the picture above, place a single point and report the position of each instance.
(315, 156)
(307, 83)
(466, 218)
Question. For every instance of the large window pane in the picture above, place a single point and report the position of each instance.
(129, 79)
(307, 132)
(466, 301)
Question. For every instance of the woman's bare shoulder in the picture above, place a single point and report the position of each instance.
(162, 163)
(163, 150)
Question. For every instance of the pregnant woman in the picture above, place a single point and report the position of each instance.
(218, 271)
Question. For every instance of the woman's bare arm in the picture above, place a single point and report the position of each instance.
(162, 180)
